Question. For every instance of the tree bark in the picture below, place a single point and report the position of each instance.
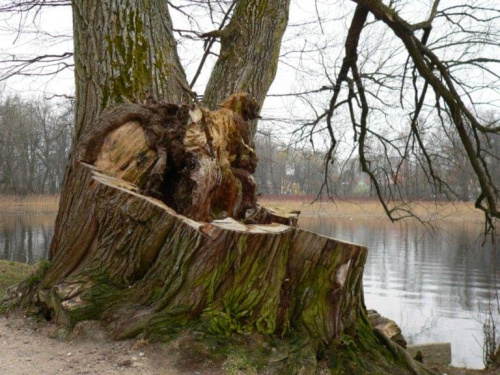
(148, 270)
(250, 46)
(145, 269)
(125, 51)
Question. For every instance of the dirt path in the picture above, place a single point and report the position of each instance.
(26, 348)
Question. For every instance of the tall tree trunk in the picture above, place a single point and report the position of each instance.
(250, 47)
(124, 51)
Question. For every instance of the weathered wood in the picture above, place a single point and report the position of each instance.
(198, 162)
(387, 326)
(164, 271)
(144, 270)
(164, 236)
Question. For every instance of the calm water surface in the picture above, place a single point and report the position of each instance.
(25, 238)
(436, 286)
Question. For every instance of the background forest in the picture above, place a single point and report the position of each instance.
(37, 137)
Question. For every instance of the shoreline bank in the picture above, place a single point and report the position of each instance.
(424, 210)
(15, 204)
(431, 212)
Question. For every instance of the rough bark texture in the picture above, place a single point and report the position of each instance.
(134, 263)
(250, 47)
(124, 50)
(146, 270)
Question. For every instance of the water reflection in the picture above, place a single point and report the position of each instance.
(436, 285)
(25, 238)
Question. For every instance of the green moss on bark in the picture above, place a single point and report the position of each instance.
(131, 76)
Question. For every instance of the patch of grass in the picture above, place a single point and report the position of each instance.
(11, 273)
(39, 271)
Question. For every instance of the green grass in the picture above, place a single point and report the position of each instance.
(12, 273)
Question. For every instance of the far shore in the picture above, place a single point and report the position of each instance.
(34, 204)
(424, 210)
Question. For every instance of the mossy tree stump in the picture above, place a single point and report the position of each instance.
(164, 236)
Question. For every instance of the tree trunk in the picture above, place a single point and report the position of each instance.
(124, 51)
(250, 46)
(112, 39)
(128, 259)
(158, 229)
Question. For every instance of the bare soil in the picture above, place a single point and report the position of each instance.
(28, 348)
(448, 370)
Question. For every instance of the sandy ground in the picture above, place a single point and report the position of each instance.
(26, 348)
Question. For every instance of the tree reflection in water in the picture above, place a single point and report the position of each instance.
(25, 238)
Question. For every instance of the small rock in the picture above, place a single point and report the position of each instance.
(134, 358)
(141, 354)
(69, 354)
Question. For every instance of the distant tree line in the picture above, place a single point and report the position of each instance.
(294, 170)
(35, 140)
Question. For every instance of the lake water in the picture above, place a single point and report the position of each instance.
(25, 238)
(436, 286)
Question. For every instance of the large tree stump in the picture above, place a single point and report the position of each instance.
(155, 244)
